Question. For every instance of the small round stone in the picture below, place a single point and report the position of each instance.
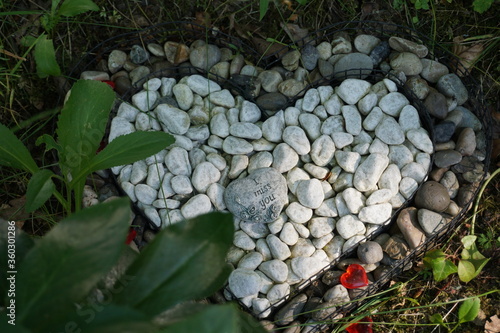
(370, 252)
(299, 213)
(432, 196)
(244, 282)
(310, 193)
(198, 205)
(138, 55)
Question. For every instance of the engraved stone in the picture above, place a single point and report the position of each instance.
(260, 197)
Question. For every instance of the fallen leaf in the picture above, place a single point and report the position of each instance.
(244, 31)
(202, 18)
(268, 48)
(492, 325)
(466, 53)
(288, 3)
(296, 33)
(367, 9)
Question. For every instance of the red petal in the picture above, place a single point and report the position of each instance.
(354, 277)
(361, 328)
(131, 236)
(110, 83)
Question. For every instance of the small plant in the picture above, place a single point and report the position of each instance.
(469, 265)
(488, 241)
(80, 130)
(59, 276)
(480, 6)
(468, 311)
(45, 56)
(373, 315)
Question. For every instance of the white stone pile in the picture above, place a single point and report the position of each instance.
(350, 155)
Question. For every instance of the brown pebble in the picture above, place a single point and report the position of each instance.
(407, 222)
(396, 247)
(466, 142)
(432, 196)
(437, 174)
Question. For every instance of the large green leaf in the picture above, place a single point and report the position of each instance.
(469, 310)
(67, 262)
(215, 319)
(45, 58)
(185, 261)
(40, 188)
(248, 324)
(102, 317)
(82, 123)
(75, 7)
(13, 153)
(127, 149)
(23, 244)
(5, 326)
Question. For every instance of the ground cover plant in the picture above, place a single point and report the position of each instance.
(69, 272)
(29, 107)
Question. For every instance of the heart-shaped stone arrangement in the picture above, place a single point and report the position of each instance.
(313, 179)
(305, 185)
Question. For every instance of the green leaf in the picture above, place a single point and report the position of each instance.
(127, 149)
(248, 323)
(472, 261)
(6, 327)
(82, 124)
(214, 319)
(67, 262)
(469, 269)
(302, 2)
(211, 319)
(75, 7)
(441, 267)
(437, 319)
(481, 6)
(263, 7)
(468, 241)
(40, 188)
(468, 310)
(13, 153)
(102, 317)
(471, 252)
(466, 270)
(49, 142)
(45, 58)
(191, 255)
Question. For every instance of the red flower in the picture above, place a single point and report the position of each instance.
(364, 326)
(109, 83)
(355, 277)
(131, 236)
